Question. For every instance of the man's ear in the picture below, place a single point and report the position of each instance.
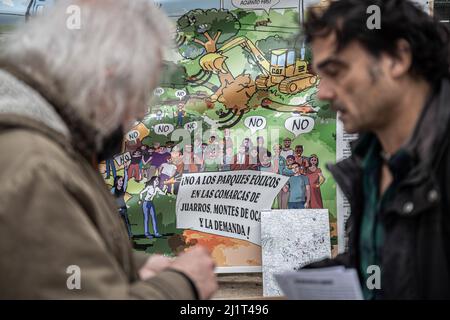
(401, 62)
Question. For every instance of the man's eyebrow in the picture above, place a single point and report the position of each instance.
(331, 60)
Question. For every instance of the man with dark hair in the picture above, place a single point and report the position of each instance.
(287, 150)
(302, 160)
(391, 86)
(300, 192)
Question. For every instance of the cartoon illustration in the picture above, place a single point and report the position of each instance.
(299, 158)
(159, 115)
(110, 167)
(287, 150)
(134, 170)
(180, 115)
(167, 171)
(146, 198)
(147, 168)
(230, 65)
(300, 191)
(316, 179)
(262, 23)
(118, 190)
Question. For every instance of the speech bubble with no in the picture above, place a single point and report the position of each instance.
(255, 123)
(299, 125)
(163, 129)
(180, 94)
(158, 91)
(132, 135)
(191, 126)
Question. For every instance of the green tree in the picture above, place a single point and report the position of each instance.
(173, 75)
(203, 30)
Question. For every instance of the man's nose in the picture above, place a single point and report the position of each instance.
(326, 91)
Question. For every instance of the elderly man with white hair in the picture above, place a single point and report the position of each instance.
(66, 96)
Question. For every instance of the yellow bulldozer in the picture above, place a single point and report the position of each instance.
(284, 69)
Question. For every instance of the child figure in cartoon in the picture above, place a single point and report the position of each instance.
(159, 115)
(118, 190)
(146, 199)
(180, 114)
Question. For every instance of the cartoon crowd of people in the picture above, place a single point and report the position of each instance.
(161, 167)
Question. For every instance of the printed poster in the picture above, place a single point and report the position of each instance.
(237, 94)
(237, 98)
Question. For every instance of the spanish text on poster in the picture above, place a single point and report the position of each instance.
(227, 203)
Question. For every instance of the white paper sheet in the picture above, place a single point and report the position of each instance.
(335, 283)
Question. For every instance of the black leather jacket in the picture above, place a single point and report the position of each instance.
(415, 257)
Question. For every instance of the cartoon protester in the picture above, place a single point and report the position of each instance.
(134, 170)
(118, 191)
(266, 163)
(227, 138)
(253, 158)
(241, 160)
(189, 160)
(287, 170)
(287, 150)
(110, 167)
(278, 166)
(147, 169)
(247, 144)
(159, 115)
(299, 196)
(177, 159)
(260, 149)
(159, 156)
(213, 160)
(167, 171)
(146, 199)
(133, 145)
(180, 114)
(299, 158)
(278, 161)
(316, 179)
(227, 159)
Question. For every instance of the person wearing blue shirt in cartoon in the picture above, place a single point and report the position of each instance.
(299, 188)
(180, 114)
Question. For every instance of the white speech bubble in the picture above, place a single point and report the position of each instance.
(163, 129)
(265, 5)
(180, 94)
(255, 123)
(133, 135)
(299, 125)
(158, 91)
(191, 126)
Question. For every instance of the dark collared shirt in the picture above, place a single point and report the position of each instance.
(372, 231)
